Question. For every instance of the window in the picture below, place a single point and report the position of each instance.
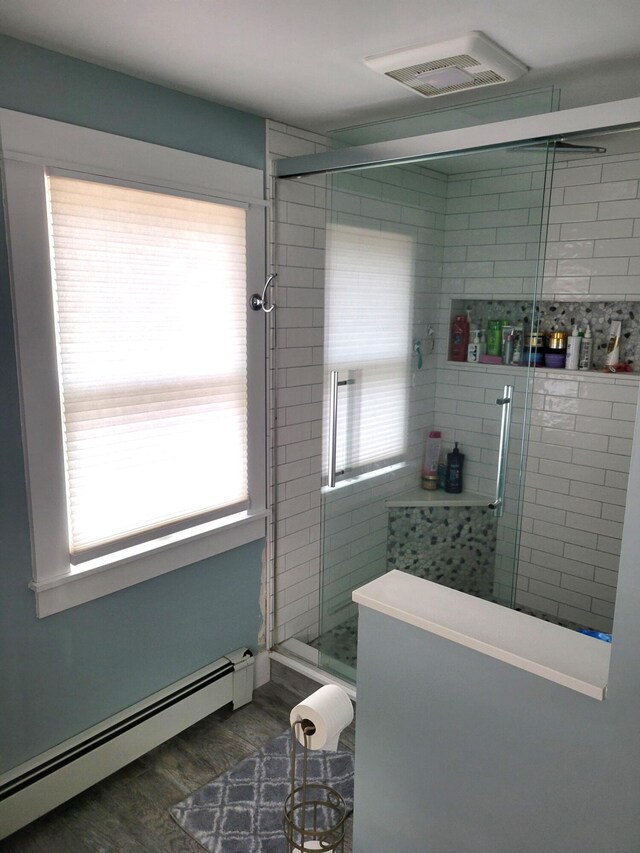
(368, 306)
(142, 373)
(148, 393)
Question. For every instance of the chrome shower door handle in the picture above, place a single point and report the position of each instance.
(503, 451)
(332, 449)
(333, 428)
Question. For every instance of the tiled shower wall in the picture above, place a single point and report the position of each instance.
(580, 439)
(296, 343)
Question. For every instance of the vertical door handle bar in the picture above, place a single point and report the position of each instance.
(333, 427)
(503, 452)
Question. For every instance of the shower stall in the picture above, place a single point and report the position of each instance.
(375, 257)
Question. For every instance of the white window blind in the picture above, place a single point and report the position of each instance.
(368, 315)
(150, 302)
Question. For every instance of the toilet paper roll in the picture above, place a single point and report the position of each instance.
(330, 710)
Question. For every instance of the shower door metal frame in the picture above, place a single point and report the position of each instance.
(614, 115)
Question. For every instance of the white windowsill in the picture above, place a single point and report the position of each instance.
(361, 478)
(135, 565)
(568, 658)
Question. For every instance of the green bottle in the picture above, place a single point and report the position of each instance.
(494, 337)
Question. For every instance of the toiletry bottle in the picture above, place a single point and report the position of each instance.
(534, 349)
(473, 350)
(507, 349)
(586, 350)
(556, 352)
(613, 347)
(459, 337)
(573, 350)
(483, 342)
(442, 469)
(430, 465)
(517, 346)
(494, 337)
(455, 461)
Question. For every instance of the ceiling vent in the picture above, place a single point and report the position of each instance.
(468, 62)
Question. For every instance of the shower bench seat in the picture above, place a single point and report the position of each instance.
(443, 537)
(422, 497)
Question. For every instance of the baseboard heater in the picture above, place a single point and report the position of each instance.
(39, 785)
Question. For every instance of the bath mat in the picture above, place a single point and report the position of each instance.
(241, 811)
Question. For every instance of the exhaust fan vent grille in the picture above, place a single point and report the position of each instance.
(461, 61)
(468, 62)
(482, 77)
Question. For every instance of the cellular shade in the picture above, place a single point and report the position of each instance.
(368, 305)
(150, 300)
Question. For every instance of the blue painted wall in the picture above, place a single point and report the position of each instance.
(62, 674)
(44, 83)
(460, 753)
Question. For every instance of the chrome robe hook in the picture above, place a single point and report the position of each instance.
(257, 302)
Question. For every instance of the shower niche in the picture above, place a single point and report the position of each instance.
(549, 315)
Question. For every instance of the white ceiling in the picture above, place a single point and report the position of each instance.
(302, 62)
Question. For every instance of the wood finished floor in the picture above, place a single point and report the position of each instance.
(129, 810)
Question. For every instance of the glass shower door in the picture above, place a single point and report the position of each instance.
(408, 248)
(369, 305)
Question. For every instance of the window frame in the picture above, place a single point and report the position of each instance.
(30, 147)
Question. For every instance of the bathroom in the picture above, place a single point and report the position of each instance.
(529, 234)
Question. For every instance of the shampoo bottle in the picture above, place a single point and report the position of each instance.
(459, 338)
(455, 461)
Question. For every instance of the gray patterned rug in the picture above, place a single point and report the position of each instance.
(241, 811)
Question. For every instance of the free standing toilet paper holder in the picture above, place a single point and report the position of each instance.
(314, 814)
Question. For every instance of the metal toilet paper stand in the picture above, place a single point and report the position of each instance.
(314, 814)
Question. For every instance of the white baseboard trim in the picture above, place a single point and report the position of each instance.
(262, 669)
(39, 785)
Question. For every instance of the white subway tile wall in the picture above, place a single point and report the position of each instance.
(580, 438)
(477, 235)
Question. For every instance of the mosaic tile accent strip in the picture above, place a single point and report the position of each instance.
(563, 316)
(454, 546)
